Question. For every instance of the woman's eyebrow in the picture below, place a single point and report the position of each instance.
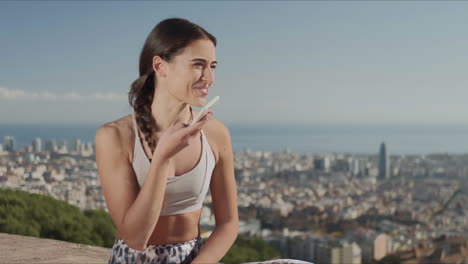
(203, 60)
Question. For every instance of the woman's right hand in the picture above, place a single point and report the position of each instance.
(178, 137)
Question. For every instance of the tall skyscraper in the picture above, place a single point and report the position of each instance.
(322, 163)
(50, 145)
(384, 162)
(9, 143)
(37, 145)
(356, 168)
(76, 145)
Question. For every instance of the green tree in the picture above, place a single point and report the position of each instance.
(390, 259)
(103, 226)
(249, 249)
(39, 215)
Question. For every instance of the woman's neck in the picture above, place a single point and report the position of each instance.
(167, 110)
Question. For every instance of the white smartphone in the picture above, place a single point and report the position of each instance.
(205, 109)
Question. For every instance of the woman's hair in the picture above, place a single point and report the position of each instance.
(167, 40)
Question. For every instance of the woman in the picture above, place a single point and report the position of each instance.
(155, 169)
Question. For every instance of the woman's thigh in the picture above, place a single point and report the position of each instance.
(170, 253)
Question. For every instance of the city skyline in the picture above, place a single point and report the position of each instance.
(307, 62)
(322, 207)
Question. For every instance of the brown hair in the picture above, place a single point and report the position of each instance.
(167, 40)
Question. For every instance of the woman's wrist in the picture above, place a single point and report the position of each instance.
(166, 164)
(162, 160)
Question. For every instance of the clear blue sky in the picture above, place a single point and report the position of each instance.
(279, 62)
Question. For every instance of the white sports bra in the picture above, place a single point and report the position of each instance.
(186, 192)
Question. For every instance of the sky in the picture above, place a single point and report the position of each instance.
(308, 62)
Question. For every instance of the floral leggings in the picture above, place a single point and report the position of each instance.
(154, 254)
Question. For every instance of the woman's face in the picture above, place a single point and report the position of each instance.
(191, 72)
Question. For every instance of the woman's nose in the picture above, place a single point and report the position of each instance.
(208, 76)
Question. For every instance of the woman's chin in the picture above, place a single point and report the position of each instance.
(199, 102)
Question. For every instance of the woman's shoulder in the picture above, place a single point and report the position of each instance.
(121, 128)
(217, 134)
(122, 125)
(217, 129)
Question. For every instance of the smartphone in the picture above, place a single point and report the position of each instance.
(205, 110)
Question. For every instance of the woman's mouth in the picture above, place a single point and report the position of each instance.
(203, 91)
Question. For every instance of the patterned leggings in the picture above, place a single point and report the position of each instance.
(154, 254)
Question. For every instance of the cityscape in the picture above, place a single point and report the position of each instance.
(322, 208)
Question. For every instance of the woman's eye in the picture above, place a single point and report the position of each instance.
(199, 64)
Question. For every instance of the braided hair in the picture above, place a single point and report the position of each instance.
(167, 40)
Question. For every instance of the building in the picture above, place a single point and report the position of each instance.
(384, 162)
(63, 146)
(9, 144)
(356, 167)
(346, 254)
(322, 164)
(382, 246)
(50, 145)
(351, 253)
(37, 145)
(76, 146)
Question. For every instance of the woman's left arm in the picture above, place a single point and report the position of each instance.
(224, 199)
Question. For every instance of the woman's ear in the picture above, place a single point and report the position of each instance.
(159, 66)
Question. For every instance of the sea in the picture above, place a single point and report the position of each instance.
(300, 138)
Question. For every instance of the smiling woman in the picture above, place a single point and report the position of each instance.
(155, 170)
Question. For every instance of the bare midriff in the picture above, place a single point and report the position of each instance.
(172, 229)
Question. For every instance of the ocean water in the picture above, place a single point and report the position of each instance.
(399, 139)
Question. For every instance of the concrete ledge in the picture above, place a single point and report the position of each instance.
(24, 249)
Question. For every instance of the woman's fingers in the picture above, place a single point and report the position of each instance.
(195, 128)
